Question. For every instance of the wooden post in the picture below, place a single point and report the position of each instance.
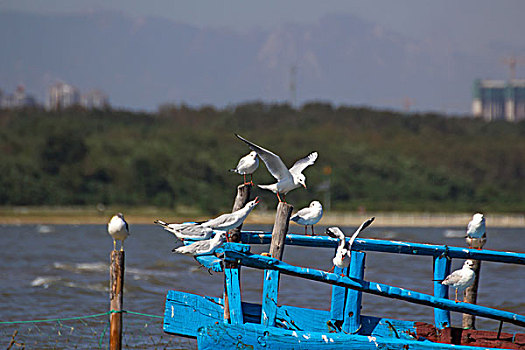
(116, 293)
(471, 296)
(243, 197)
(280, 229)
(441, 271)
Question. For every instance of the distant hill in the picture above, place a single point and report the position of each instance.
(144, 62)
(180, 157)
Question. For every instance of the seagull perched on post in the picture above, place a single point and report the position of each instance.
(287, 179)
(118, 229)
(247, 166)
(205, 247)
(204, 230)
(476, 235)
(344, 249)
(461, 279)
(309, 216)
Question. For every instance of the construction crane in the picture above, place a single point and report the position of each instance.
(512, 62)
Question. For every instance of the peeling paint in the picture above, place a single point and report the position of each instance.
(373, 339)
(325, 338)
(379, 288)
(294, 333)
(306, 336)
(172, 311)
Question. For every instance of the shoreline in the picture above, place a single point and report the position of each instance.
(76, 216)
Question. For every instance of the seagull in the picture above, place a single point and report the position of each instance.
(204, 230)
(461, 279)
(187, 230)
(247, 166)
(287, 179)
(344, 249)
(205, 247)
(118, 229)
(309, 216)
(230, 221)
(476, 235)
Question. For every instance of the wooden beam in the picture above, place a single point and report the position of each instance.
(380, 289)
(441, 271)
(243, 197)
(270, 296)
(233, 291)
(337, 307)
(352, 323)
(471, 296)
(280, 229)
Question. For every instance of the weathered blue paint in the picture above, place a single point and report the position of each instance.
(337, 307)
(254, 336)
(270, 295)
(378, 245)
(234, 294)
(385, 290)
(352, 322)
(441, 271)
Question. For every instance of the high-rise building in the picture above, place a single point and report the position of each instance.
(95, 99)
(62, 95)
(17, 99)
(497, 99)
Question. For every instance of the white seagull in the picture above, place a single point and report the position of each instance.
(204, 230)
(309, 216)
(205, 247)
(187, 230)
(344, 249)
(287, 179)
(461, 279)
(476, 235)
(118, 229)
(247, 166)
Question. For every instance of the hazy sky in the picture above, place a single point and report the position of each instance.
(469, 23)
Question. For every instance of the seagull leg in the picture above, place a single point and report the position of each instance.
(313, 233)
(279, 198)
(456, 296)
(114, 244)
(305, 230)
(332, 269)
(244, 177)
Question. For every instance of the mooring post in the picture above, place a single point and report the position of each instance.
(243, 196)
(441, 271)
(116, 294)
(271, 278)
(471, 296)
(352, 319)
(280, 229)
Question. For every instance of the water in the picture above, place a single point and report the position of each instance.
(62, 271)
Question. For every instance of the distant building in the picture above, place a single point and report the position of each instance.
(497, 99)
(62, 95)
(95, 99)
(18, 99)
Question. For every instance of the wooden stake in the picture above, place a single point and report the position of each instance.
(116, 293)
(280, 229)
(243, 197)
(471, 296)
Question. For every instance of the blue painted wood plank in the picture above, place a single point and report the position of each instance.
(441, 271)
(337, 307)
(379, 245)
(233, 289)
(385, 290)
(352, 322)
(270, 296)
(210, 262)
(257, 337)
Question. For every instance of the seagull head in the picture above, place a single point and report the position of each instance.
(315, 204)
(468, 263)
(335, 232)
(478, 217)
(301, 180)
(253, 154)
(120, 215)
(253, 203)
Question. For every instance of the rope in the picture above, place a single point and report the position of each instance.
(81, 317)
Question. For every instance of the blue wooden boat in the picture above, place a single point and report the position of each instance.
(268, 325)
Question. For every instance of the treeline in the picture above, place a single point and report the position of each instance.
(179, 157)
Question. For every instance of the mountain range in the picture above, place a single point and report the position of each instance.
(144, 62)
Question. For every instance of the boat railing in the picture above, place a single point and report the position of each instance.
(348, 284)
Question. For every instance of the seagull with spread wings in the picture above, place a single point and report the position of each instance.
(287, 179)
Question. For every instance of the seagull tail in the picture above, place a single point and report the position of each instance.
(234, 170)
(160, 222)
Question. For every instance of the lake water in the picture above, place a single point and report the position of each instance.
(49, 272)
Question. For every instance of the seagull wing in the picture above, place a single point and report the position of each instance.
(273, 162)
(361, 228)
(301, 213)
(303, 163)
(453, 278)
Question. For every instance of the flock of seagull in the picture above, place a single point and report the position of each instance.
(199, 234)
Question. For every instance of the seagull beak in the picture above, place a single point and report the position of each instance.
(256, 200)
(304, 185)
